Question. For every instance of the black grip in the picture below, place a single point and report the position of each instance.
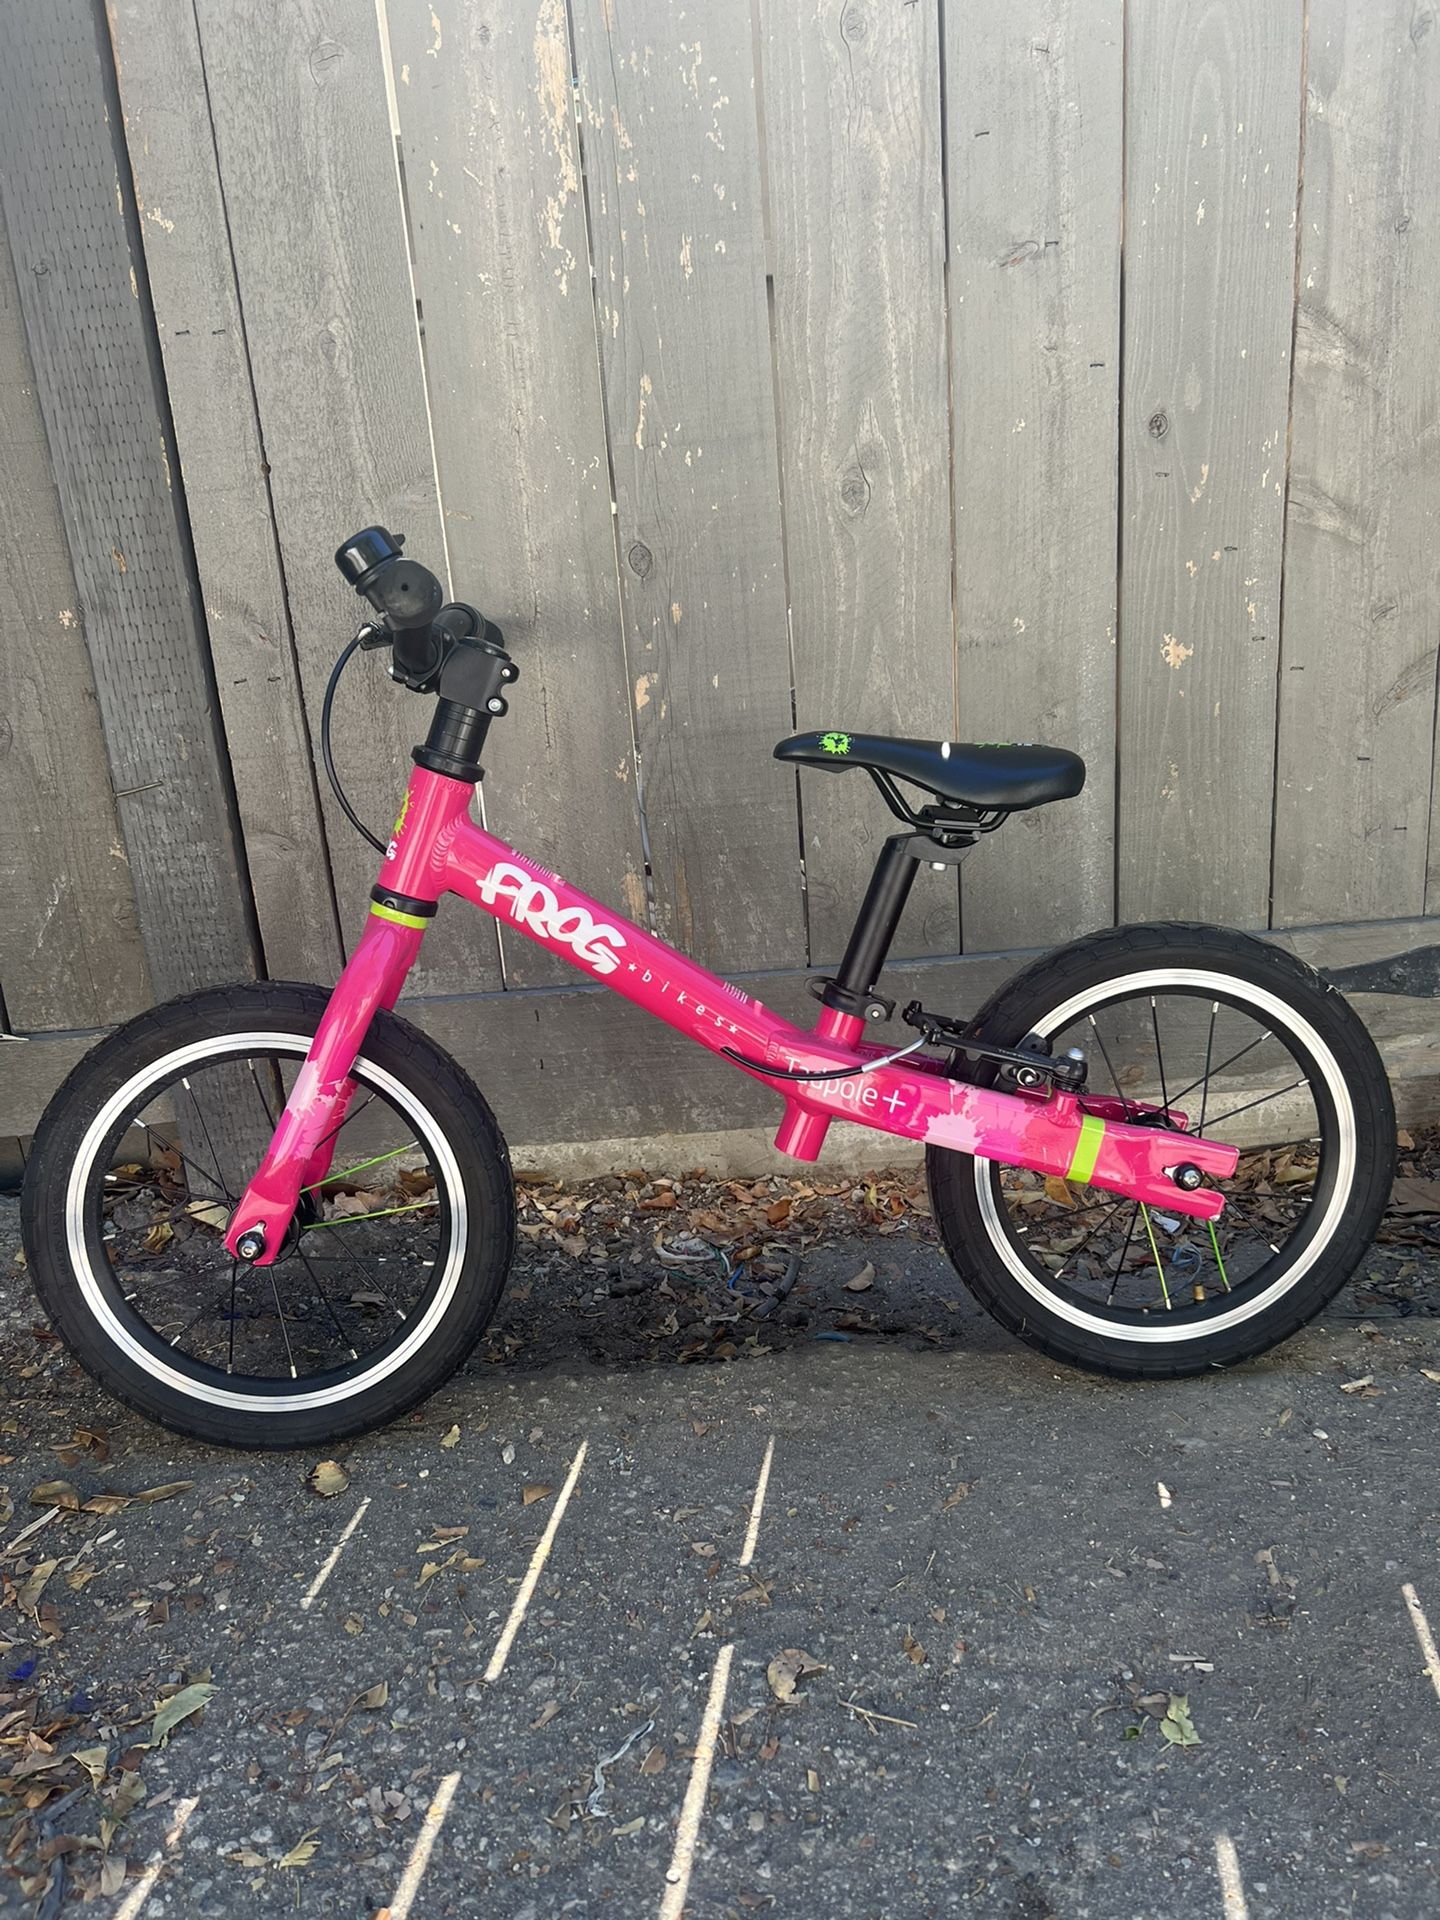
(406, 595)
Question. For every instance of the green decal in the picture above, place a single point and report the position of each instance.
(400, 819)
(835, 742)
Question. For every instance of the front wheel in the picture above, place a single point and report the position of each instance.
(389, 1273)
(1213, 1033)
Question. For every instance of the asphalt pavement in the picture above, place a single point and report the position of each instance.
(908, 1623)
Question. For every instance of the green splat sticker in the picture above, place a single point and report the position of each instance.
(400, 822)
(835, 743)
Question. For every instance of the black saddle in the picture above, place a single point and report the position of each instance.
(990, 776)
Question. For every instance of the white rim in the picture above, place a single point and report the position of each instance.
(1165, 1332)
(120, 1336)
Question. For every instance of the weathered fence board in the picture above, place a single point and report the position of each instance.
(78, 265)
(303, 135)
(502, 261)
(1212, 155)
(669, 134)
(752, 363)
(1362, 597)
(207, 370)
(852, 126)
(1034, 118)
(70, 948)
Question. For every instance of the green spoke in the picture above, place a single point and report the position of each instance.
(330, 1178)
(1215, 1243)
(358, 1219)
(1155, 1253)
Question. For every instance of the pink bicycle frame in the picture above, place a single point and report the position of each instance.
(437, 849)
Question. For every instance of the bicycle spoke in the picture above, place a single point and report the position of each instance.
(234, 1269)
(358, 1219)
(1207, 1076)
(1159, 1056)
(1105, 1055)
(1260, 1102)
(325, 1298)
(204, 1128)
(1124, 1255)
(349, 1172)
(1155, 1253)
(280, 1311)
(354, 1253)
(185, 1160)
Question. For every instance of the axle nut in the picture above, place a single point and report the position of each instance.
(251, 1244)
(1187, 1178)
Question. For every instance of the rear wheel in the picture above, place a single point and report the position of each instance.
(386, 1279)
(1213, 1033)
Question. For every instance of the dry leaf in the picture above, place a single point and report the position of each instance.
(28, 1598)
(375, 1696)
(1411, 1195)
(55, 1493)
(787, 1670)
(450, 1438)
(158, 1237)
(328, 1478)
(535, 1491)
(168, 1492)
(546, 1714)
(954, 1499)
(169, 1713)
(631, 1826)
(302, 1853)
(863, 1280)
(208, 1213)
(1431, 1374)
(912, 1648)
(654, 1761)
(1356, 1386)
(95, 1761)
(112, 1873)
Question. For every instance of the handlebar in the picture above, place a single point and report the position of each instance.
(450, 650)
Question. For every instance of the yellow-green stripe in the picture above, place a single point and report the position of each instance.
(1087, 1149)
(400, 919)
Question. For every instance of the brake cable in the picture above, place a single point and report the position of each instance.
(327, 755)
(829, 1073)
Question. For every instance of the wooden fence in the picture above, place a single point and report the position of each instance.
(1054, 369)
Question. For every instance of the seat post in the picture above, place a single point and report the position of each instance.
(853, 988)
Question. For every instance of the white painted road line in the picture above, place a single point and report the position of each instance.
(1423, 1635)
(335, 1552)
(541, 1555)
(1232, 1887)
(140, 1892)
(683, 1858)
(425, 1839)
(757, 1505)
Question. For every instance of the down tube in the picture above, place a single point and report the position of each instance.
(606, 946)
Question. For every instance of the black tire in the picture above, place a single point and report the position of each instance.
(1008, 1280)
(444, 1105)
